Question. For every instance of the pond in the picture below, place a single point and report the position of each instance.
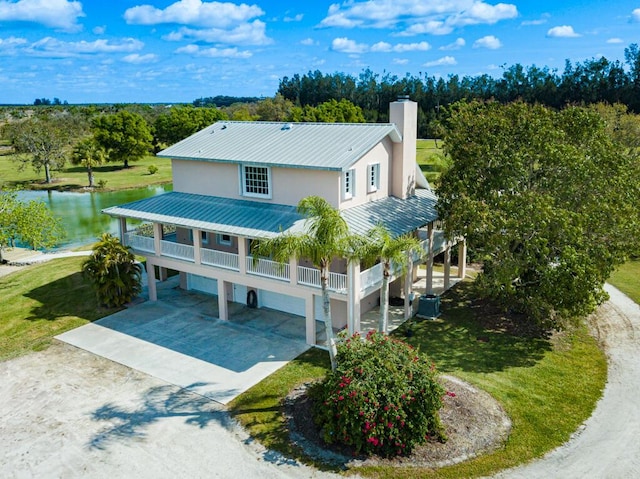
(81, 212)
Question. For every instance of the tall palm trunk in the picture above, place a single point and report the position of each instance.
(384, 298)
(326, 315)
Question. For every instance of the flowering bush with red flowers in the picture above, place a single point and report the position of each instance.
(382, 399)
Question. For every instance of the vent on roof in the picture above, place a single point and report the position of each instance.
(287, 126)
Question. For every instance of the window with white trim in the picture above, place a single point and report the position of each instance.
(224, 240)
(373, 174)
(349, 185)
(256, 181)
(204, 237)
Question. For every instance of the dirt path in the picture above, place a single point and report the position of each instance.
(608, 445)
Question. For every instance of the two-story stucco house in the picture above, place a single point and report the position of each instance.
(234, 182)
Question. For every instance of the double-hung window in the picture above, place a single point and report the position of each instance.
(348, 183)
(256, 181)
(373, 180)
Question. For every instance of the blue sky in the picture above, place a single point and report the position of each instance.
(176, 51)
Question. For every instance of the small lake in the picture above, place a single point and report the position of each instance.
(81, 212)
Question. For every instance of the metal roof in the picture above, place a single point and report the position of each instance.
(332, 146)
(255, 219)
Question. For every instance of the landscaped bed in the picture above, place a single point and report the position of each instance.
(548, 386)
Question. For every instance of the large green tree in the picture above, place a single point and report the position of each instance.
(326, 237)
(29, 222)
(183, 121)
(42, 142)
(124, 135)
(547, 199)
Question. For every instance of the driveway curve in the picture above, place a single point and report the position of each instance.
(607, 446)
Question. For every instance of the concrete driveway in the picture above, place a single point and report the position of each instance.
(178, 340)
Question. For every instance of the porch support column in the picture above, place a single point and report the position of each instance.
(462, 258)
(157, 237)
(293, 270)
(151, 281)
(353, 297)
(447, 266)
(242, 254)
(430, 259)
(122, 228)
(223, 307)
(310, 320)
(408, 283)
(197, 245)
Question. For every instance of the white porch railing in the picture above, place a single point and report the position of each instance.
(139, 243)
(220, 259)
(176, 250)
(268, 268)
(371, 277)
(311, 277)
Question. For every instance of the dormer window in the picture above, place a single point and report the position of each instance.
(256, 181)
(373, 173)
(348, 182)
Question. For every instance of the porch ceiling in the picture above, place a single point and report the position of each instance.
(259, 220)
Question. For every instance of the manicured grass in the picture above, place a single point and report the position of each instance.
(547, 387)
(75, 177)
(431, 158)
(44, 300)
(627, 279)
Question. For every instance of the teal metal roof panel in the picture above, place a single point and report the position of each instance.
(255, 219)
(333, 146)
(224, 215)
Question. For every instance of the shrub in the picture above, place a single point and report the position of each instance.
(102, 184)
(382, 399)
(153, 169)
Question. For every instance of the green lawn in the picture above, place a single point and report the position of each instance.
(548, 388)
(430, 158)
(627, 279)
(75, 177)
(42, 301)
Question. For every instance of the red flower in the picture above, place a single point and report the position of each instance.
(451, 394)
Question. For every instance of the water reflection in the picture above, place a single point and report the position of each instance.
(81, 212)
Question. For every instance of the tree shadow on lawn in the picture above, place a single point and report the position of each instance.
(474, 337)
(68, 296)
(157, 403)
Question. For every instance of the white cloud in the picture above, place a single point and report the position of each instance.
(137, 59)
(195, 50)
(491, 42)
(457, 45)
(295, 18)
(635, 15)
(99, 30)
(12, 41)
(59, 14)
(414, 17)
(400, 47)
(562, 31)
(540, 21)
(345, 45)
(615, 40)
(194, 13)
(245, 34)
(441, 61)
(52, 47)
(400, 61)
(308, 42)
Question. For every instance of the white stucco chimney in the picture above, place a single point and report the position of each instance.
(404, 113)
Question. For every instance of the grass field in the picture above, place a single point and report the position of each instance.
(74, 178)
(548, 388)
(42, 301)
(430, 157)
(627, 279)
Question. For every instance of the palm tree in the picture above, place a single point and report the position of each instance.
(326, 237)
(88, 154)
(113, 270)
(390, 251)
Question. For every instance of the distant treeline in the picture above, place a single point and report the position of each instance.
(592, 81)
(221, 100)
